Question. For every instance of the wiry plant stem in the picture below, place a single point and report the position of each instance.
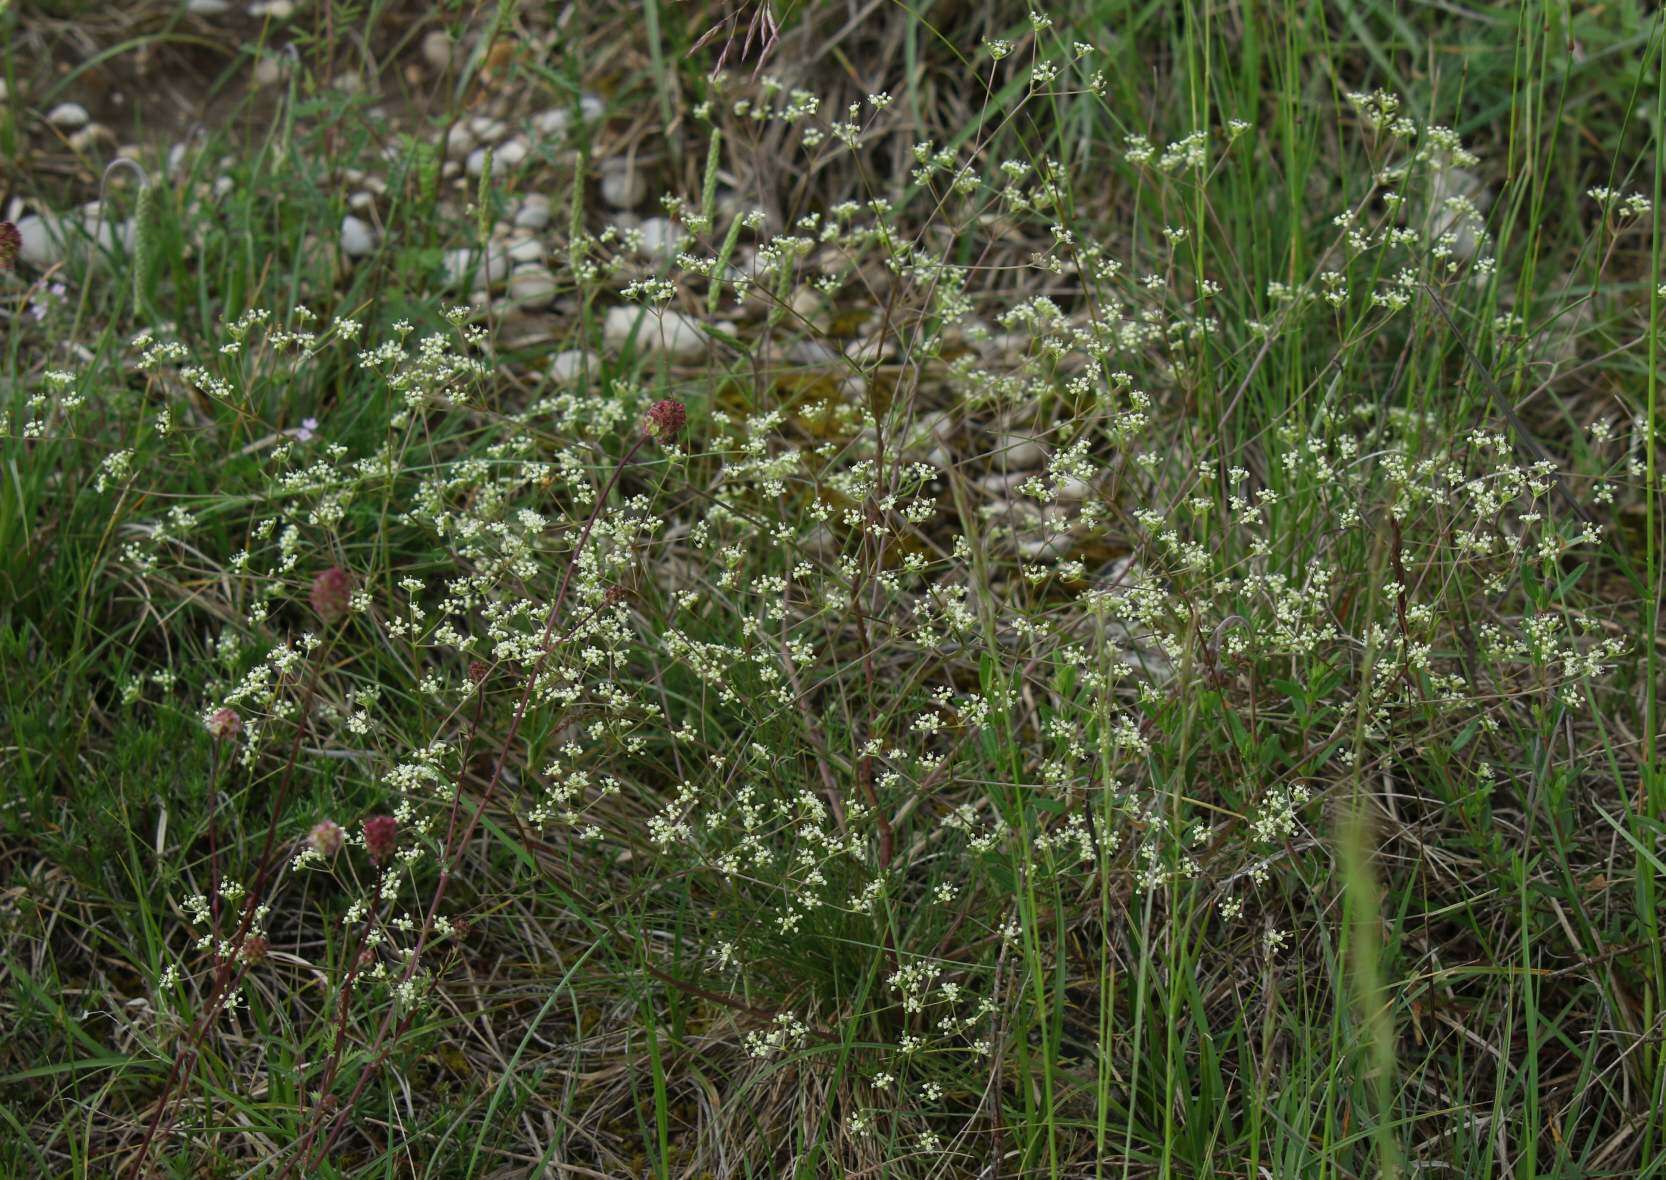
(454, 843)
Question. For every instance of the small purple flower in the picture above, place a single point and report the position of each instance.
(39, 306)
(306, 431)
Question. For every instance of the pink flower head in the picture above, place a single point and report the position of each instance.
(325, 837)
(11, 241)
(381, 837)
(225, 724)
(332, 593)
(664, 419)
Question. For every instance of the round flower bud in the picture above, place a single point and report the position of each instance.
(224, 724)
(11, 241)
(325, 837)
(381, 837)
(664, 419)
(332, 591)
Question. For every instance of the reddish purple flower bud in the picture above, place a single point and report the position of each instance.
(11, 241)
(332, 593)
(255, 947)
(664, 419)
(225, 724)
(381, 837)
(326, 837)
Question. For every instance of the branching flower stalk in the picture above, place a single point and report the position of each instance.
(1016, 604)
(228, 971)
(664, 421)
(344, 997)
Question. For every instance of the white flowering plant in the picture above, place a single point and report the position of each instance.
(1071, 639)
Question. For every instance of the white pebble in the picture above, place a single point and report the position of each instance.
(532, 286)
(268, 72)
(459, 141)
(1048, 548)
(622, 185)
(358, 237)
(89, 135)
(567, 367)
(998, 484)
(806, 302)
(506, 156)
(668, 331)
(67, 116)
(867, 350)
(939, 424)
(526, 250)
(460, 265)
(436, 49)
(1017, 452)
(42, 240)
(108, 235)
(534, 212)
(552, 122)
(811, 352)
(511, 154)
(660, 236)
(487, 129)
